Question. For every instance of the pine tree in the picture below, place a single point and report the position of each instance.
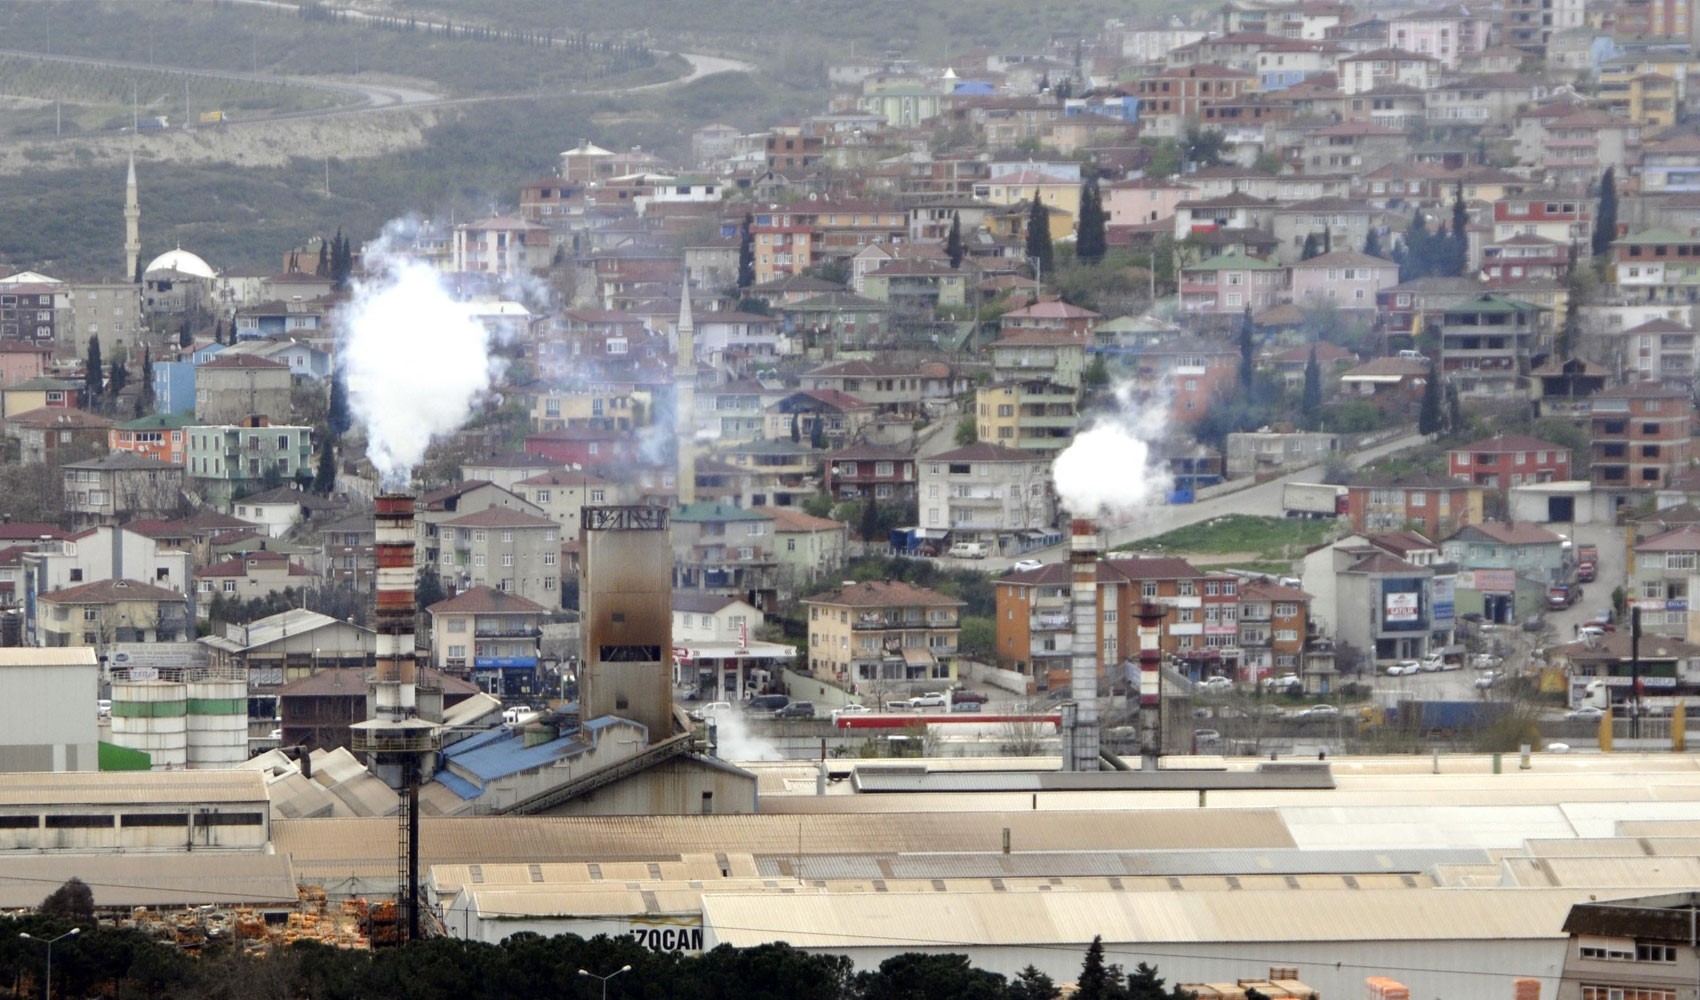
(1094, 982)
(1372, 243)
(1429, 417)
(1247, 360)
(324, 480)
(953, 244)
(323, 269)
(1312, 400)
(746, 254)
(1039, 236)
(93, 374)
(1090, 242)
(1311, 247)
(1605, 217)
(1143, 983)
(1413, 256)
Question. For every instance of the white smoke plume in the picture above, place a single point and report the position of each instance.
(1107, 472)
(735, 742)
(416, 360)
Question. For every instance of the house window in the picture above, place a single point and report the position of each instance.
(542, 496)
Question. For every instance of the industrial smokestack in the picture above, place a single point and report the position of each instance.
(1080, 740)
(394, 692)
(685, 397)
(1150, 682)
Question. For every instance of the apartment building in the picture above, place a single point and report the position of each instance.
(1641, 436)
(882, 635)
(988, 493)
(1507, 460)
(512, 551)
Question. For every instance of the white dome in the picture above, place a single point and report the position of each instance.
(182, 261)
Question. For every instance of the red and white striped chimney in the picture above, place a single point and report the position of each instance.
(394, 683)
(1080, 739)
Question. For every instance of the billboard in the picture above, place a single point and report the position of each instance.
(1491, 581)
(1401, 607)
(1443, 600)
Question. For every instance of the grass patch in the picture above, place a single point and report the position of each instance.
(1264, 539)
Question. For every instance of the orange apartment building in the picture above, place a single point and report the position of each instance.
(1035, 627)
(158, 436)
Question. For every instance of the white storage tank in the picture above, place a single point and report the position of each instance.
(217, 723)
(152, 716)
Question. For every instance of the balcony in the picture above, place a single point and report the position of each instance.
(1051, 622)
(483, 631)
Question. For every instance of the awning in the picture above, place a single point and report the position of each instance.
(919, 656)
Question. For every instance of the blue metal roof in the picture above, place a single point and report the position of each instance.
(499, 758)
(458, 785)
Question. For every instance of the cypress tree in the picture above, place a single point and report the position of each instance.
(1090, 243)
(93, 373)
(1246, 351)
(338, 419)
(1372, 243)
(1312, 401)
(185, 334)
(746, 254)
(796, 428)
(1039, 235)
(1311, 247)
(870, 519)
(1429, 417)
(145, 399)
(324, 480)
(117, 378)
(1605, 217)
(1571, 332)
(323, 269)
(1413, 256)
(817, 433)
(1460, 246)
(1327, 239)
(953, 244)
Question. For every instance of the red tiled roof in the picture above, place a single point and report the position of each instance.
(487, 601)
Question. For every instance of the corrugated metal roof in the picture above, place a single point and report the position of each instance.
(151, 879)
(1637, 873)
(361, 845)
(73, 788)
(924, 920)
(38, 656)
(1145, 863)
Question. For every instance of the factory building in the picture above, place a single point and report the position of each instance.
(48, 717)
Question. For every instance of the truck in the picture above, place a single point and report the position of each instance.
(1313, 500)
(211, 118)
(150, 124)
(1423, 716)
(1587, 563)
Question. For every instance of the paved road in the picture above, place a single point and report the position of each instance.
(1261, 498)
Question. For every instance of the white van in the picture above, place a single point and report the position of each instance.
(968, 550)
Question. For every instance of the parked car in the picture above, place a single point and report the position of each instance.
(1487, 680)
(1026, 565)
(1534, 624)
(964, 706)
(1317, 712)
(711, 709)
(968, 698)
(796, 710)
(1206, 738)
(969, 550)
(1591, 632)
(932, 699)
(1431, 664)
(1602, 621)
(1585, 713)
(1486, 661)
(1216, 684)
(842, 711)
(1404, 667)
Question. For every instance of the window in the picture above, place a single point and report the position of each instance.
(542, 496)
(457, 625)
(507, 559)
(1148, 590)
(457, 652)
(1655, 953)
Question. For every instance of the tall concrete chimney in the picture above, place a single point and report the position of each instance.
(626, 616)
(1080, 736)
(685, 396)
(1150, 682)
(400, 747)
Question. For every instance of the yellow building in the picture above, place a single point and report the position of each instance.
(877, 635)
(1034, 415)
(1647, 98)
(1058, 194)
(602, 405)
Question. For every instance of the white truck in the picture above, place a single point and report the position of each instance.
(1313, 500)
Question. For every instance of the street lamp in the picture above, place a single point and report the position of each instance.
(591, 975)
(50, 942)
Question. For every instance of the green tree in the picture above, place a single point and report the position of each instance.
(338, 418)
(1429, 417)
(342, 262)
(967, 432)
(93, 373)
(1039, 236)
(1311, 248)
(185, 334)
(323, 269)
(913, 976)
(978, 638)
(1031, 984)
(1311, 405)
(324, 480)
(1570, 333)
(1096, 375)
(1459, 256)
(746, 254)
(1454, 410)
(117, 379)
(1248, 351)
(796, 427)
(817, 432)
(1372, 243)
(1143, 983)
(146, 396)
(870, 527)
(1605, 217)
(428, 589)
(1094, 982)
(1090, 241)
(73, 900)
(953, 243)
(1203, 147)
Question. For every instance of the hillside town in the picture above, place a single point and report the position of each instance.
(1239, 410)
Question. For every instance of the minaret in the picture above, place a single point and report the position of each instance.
(685, 397)
(132, 222)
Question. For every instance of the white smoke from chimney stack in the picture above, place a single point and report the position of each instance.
(1107, 473)
(416, 360)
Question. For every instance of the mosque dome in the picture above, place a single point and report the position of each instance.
(182, 261)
